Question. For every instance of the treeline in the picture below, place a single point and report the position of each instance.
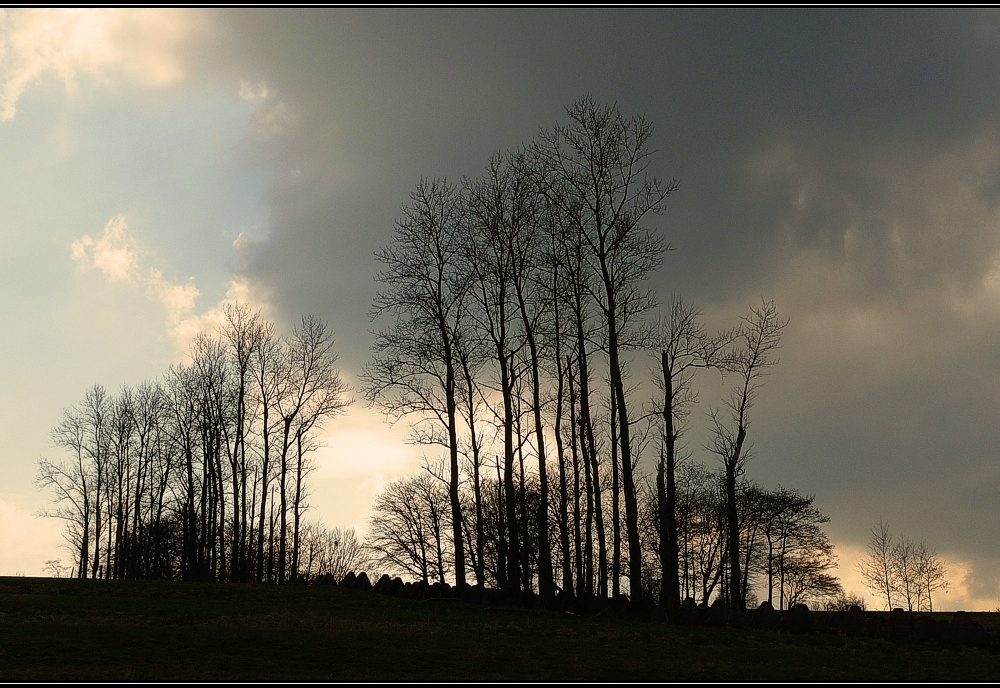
(786, 557)
(517, 301)
(201, 475)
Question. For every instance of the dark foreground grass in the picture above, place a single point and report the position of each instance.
(70, 629)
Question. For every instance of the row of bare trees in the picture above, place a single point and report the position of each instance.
(785, 556)
(515, 302)
(200, 475)
(902, 572)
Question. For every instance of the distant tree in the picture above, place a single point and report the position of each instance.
(268, 366)
(701, 530)
(79, 484)
(408, 528)
(901, 571)
(906, 583)
(330, 552)
(314, 391)
(843, 602)
(931, 576)
(796, 545)
(878, 566)
(805, 575)
(165, 478)
(243, 330)
(55, 568)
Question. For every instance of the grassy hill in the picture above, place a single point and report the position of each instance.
(71, 629)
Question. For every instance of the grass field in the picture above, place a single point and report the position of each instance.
(70, 629)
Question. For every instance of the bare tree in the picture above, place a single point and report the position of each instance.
(598, 166)
(806, 578)
(931, 576)
(165, 478)
(798, 552)
(72, 482)
(906, 582)
(577, 287)
(902, 571)
(533, 304)
(243, 331)
(413, 371)
(471, 360)
(268, 375)
(682, 346)
(844, 602)
(877, 567)
(80, 485)
(407, 527)
(314, 392)
(332, 552)
(496, 207)
(758, 338)
(55, 568)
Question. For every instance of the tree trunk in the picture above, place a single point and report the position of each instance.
(567, 571)
(616, 547)
(733, 526)
(590, 453)
(573, 427)
(666, 489)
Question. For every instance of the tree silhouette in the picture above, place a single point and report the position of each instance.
(166, 478)
(600, 160)
(758, 337)
(682, 346)
(414, 366)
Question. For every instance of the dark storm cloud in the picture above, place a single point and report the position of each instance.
(846, 162)
(385, 97)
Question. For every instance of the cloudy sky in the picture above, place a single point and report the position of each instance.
(156, 163)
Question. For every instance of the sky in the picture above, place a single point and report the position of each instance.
(157, 164)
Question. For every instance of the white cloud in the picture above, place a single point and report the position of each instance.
(250, 92)
(118, 256)
(271, 117)
(115, 253)
(184, 324)
(177, 299)
(141, 45)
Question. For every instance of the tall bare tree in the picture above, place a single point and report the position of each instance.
(758, 338)
(902, 571)
(269, 371)
(413, 371)
(931, 574)
(598, 162)
(682, 345)
(166, 476)
(316, 392)
(243, 331)
(497, 206)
